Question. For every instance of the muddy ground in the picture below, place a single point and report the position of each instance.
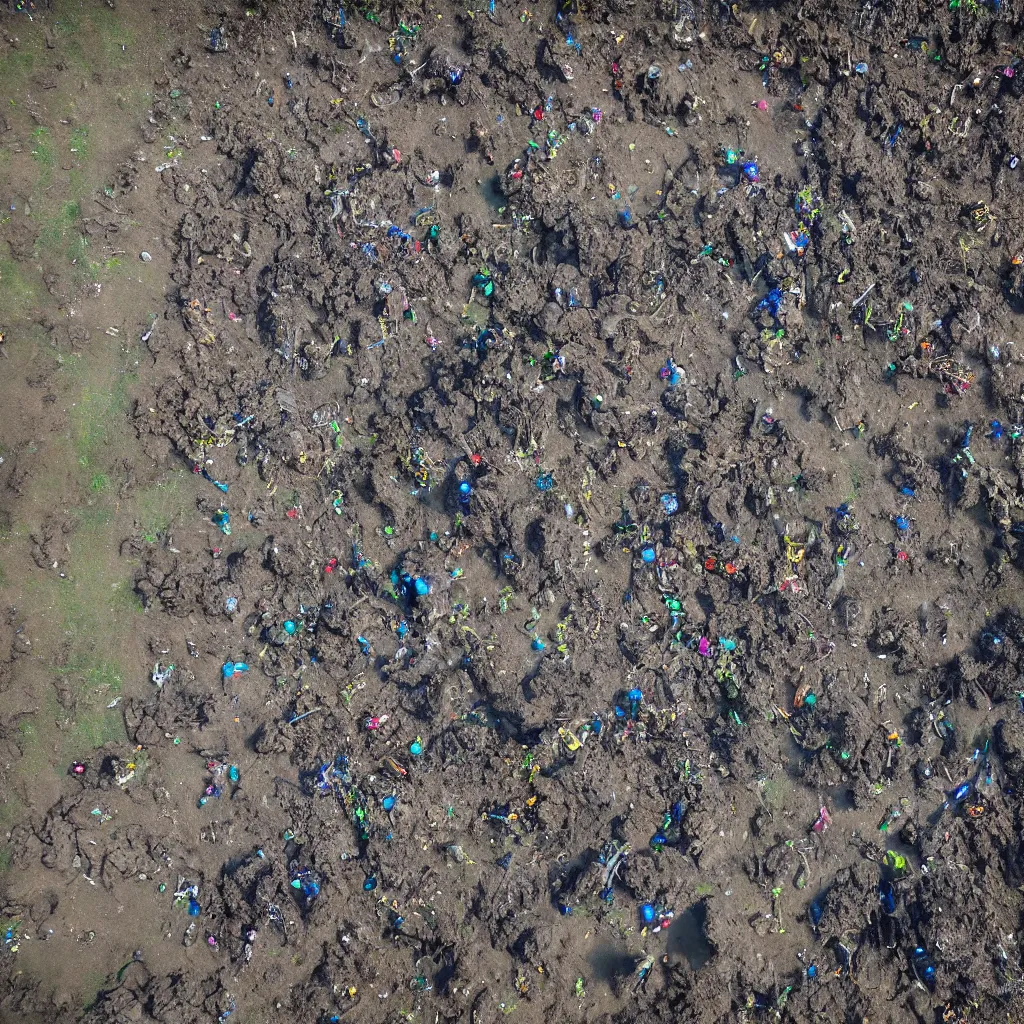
(597, 589)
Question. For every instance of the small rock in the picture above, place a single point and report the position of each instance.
(145, 257)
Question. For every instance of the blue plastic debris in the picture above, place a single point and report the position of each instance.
(887, 896)
(307, 883)
(993, 639)
(670, 373)
(772, 302)
(216, 483)
(923, 966)
(222, 520)
(414, 586)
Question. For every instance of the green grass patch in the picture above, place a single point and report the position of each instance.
(115, 41)
(125, 599)
(67, 23)
(77, 183)
(95, 682)
(92, 610)
(96, 419)
(34, 755)
(102, 676)
(776, 794)
(15, 68)
(11, 811)
(95, 984)
(58, 235)
(96, 727)
(19, 288)
(44, 154)
(92, 613)
(856, 482)
(94, 517)
(83, 602)
(84, 656)
(160, 505)
(58, 733)
(68, 26)
(79, 143)
(107, 266)
(74, 53)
